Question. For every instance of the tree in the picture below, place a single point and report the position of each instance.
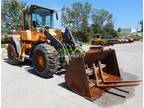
(114, 33)
(100, 17)
(11, 15)
(119, 30)
(109, 26)
(103, 22)
(76, 18)
(141, 23)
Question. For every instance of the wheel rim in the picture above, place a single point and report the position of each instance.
(40, 62)
(10, 53)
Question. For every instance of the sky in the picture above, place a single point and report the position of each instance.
(127, 13)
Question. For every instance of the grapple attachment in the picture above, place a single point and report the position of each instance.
(98, 70)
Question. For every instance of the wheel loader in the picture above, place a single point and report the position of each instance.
(87, 73)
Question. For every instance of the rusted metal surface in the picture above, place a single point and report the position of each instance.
(94, 74)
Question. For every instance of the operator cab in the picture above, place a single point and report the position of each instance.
(100, 36)
(35, 20)
(42, 18)
(37, 17)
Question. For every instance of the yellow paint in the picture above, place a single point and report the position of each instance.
(29, 36)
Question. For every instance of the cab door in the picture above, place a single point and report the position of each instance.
(26, 33)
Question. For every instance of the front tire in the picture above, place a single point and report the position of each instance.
(45, 60)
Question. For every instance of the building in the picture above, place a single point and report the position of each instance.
(128, 30)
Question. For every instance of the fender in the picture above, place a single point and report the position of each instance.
(16, 42)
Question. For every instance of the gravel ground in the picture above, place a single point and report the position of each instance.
(21, 88)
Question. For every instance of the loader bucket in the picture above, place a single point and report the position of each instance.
(96, 71)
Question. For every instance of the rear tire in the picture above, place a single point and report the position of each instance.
(93, 42)
(45, 60)
(12, 55)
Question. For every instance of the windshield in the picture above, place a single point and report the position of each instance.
(42, 18)
(98, 36)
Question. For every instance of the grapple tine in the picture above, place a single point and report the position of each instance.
(118, 84)
(124, 81)
(115, 83)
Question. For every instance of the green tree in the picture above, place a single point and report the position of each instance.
(76, 18)
(114, 33)
(141, 23)
(119, 30)
(109, 26)
(103, 22)
(11, 15)
(100, 17)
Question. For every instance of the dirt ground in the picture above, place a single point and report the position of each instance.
(21, 88)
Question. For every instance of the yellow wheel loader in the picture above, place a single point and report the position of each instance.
(49, 49)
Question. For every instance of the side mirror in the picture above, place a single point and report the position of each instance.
(57, 16)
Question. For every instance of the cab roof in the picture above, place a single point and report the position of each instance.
(36, 6)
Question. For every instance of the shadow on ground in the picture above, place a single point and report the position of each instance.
(110, 98)
(27, 65)
(27, 62)
(113, 96)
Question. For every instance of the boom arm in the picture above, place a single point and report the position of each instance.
(66, 49)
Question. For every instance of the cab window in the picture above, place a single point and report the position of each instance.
(26, 21)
